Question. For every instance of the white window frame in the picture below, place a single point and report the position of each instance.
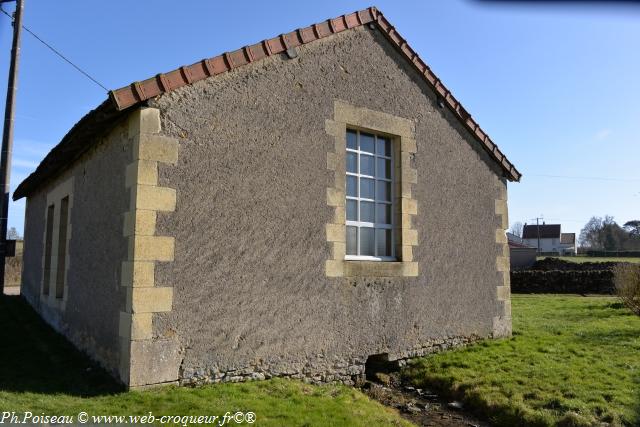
(375, 201)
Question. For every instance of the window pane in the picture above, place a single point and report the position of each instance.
(367, 244)
(352, 210)
(366, 142)
(383, 213)
(366, 164)
(366, 188)
(352, 141)
(384, 147)
(383, 191)
(383, 242)
(352, 240)
(352, 186)
(366, 211)
(384, 168)
(352, 162)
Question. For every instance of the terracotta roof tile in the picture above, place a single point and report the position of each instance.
(140, 91)
(73, 144)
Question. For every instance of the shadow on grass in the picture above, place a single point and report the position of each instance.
(34, 358)
(599, 337)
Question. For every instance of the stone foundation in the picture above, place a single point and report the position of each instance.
(319, 370)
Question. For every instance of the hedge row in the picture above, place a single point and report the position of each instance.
(618, 254)
(562, 282)
(548, 264)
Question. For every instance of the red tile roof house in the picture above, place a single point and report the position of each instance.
(291, 208)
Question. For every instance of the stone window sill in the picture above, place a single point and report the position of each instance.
(379, 269)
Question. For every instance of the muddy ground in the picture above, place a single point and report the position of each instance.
(420, 406)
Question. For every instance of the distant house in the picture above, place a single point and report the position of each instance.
(521, 255)
(514, 238)
(549, 238)
(568, 243)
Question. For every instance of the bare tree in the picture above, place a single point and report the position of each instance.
(516, 228)
(590, 234)
(605, 233)
(12, 234)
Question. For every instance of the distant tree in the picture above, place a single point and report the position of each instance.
(590, 234)
(613, 237)
(633, 227)
(516, 228)
(605, 233)
(13, 234)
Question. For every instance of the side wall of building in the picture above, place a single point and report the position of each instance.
(522, 257)
(546, 244)
(251, 295)
(87, 313)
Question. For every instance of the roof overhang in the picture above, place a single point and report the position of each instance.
(98, 120)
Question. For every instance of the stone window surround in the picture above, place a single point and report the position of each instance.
(54, 198)
(402, 133)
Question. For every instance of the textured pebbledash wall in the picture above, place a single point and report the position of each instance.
(251, 297)
(90, 314)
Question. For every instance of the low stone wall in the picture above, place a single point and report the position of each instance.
(553, 275)
(549, 264)
(321, 369)
(562, 282)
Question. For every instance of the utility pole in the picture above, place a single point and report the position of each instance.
(538, 230)
(7, 134)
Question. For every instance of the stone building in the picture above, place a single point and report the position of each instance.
(292, 208)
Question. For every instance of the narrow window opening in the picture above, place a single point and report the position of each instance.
(62, 247)
(48, 244)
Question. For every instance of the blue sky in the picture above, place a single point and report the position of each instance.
(555, 86)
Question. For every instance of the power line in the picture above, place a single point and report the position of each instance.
(596, 178)
(564, 220)
(57, 52)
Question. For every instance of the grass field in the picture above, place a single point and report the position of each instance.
(572, 361)
(581, 259)
(41, 372)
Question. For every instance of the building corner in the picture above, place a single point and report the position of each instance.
(146, 360)
(502, 320)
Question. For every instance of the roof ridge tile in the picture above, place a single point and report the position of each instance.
(140, 91)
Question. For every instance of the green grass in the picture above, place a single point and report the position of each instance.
(572, 361)
(41, 372)
(581, 259)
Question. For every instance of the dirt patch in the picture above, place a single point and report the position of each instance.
(12, 290)
(422, 407)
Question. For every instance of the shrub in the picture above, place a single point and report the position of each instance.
(627, 281)
(12, 271)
